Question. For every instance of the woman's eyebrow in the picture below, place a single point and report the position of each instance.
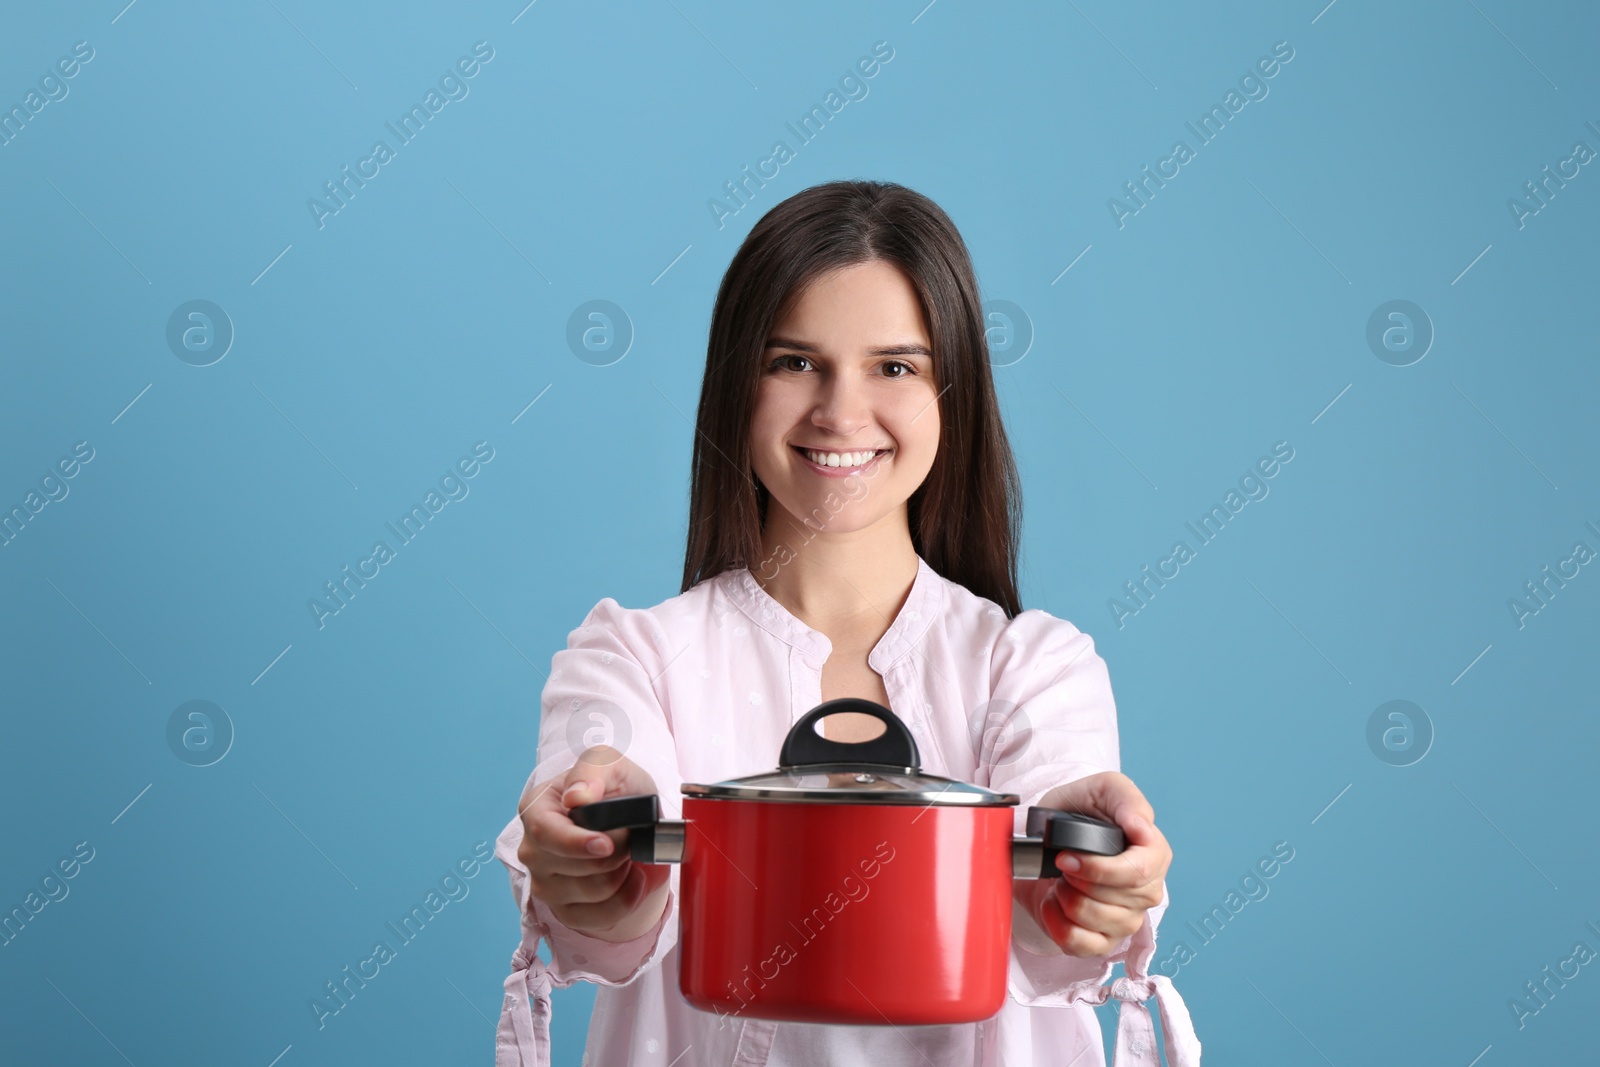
(883, 350)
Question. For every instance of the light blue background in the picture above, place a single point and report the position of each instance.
(425, 316)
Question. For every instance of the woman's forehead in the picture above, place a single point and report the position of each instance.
(793, 342)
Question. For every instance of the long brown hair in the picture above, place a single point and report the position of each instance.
(966, 515)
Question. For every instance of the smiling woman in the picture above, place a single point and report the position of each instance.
(841, 326)
(853, 524)
(826, 410)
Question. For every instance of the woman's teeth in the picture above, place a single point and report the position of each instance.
(840, 459)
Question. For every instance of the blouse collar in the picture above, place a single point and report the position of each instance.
(905, 632)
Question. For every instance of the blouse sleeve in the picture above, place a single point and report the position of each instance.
(601, 690)
(1052, 720)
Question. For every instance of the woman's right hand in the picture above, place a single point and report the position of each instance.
(586, 877)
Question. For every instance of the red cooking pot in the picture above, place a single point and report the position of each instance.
(847, 886)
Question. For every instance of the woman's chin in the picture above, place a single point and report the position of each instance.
(829, 512)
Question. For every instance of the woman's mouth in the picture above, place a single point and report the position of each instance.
(839, 464)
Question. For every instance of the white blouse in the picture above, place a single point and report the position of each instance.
(704, 687)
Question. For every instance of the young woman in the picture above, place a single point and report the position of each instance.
(853, 523)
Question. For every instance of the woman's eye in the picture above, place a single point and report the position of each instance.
(783, 363)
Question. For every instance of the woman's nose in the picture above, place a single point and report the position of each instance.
(842, 406)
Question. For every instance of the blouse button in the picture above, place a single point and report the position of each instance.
(740, 631)
(652, 1045)
(755, 698)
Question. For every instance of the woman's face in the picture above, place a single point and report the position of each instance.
(848, 370)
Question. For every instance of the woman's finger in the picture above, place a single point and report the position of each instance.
(1072, 939)
(589, 779)
(552, 863)
(1141, 897)
(1135, 866)
(1109, 920)
(1108, 795)
(637, 884)
(1074, 920)
(563, 889)
(550, 828)
(1095, 904)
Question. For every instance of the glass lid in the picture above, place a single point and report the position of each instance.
(852, 783)
(883, 769)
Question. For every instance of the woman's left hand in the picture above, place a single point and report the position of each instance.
(1099, 900)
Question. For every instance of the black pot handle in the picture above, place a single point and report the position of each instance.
(638, 814)
(1068, 831)
(804, 747)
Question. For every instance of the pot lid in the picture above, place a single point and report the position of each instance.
(853, 783)
(881, 770)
